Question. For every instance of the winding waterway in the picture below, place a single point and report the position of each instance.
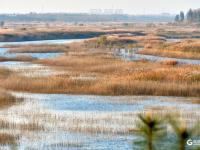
(83, 122)
(132, 55)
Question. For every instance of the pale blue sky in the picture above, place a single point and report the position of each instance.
(129, 6)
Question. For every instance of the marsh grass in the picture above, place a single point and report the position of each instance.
(23, 58)
(112, 75)
(145, 86)
(4, 72)
(169, 62)
(189, 49)
(8, 139)
(30, 126)
(43, 48)
(7, 100)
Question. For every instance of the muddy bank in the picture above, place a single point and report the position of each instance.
(18, 37)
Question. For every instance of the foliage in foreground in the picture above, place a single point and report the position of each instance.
(153, 132)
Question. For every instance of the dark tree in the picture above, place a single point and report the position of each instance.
(177, 18)
(2, 24)
(190, 15)
(182, 16)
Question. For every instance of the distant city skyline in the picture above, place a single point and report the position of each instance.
(86, 6)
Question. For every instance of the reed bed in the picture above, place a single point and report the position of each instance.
(33, 122)
(7, 139)
(23, 58)
(42, 48)
(189, 49)
(112, 76)
(102, 87)
(4, 72)
(169, 62)
(114, 123)
(7, 100)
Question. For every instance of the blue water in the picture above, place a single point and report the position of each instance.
(43, 55)
(62, 102)
(134, 56)
(17, 64)
(4, 51)
(59, 41)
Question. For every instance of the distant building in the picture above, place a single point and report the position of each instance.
(106, 11)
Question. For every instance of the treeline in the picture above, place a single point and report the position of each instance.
(84, 17)
(193, 15)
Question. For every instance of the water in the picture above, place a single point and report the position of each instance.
(62, 102)
(60, 41)
(134, 56)
(27, 68)
(85, 122)
(81, 122)
(43, 55)
(4, 51)
(174, 40)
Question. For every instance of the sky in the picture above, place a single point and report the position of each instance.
(71, 6)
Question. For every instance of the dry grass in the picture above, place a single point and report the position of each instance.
(186, 49)
(17, 58)
(110, 76)
(26, 32)
(4, 72)
(7, 100)
(8, 139)
(94, 70)
(32, 126)
(38, 48)
(169, 62)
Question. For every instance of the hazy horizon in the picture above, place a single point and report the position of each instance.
(80, 6)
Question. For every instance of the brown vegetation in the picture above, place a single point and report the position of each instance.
(7, 100)
(4, 72)
(8, 139)
(62, 31)
(17, 58)
(186, 49)
(38, 48)
(169, 62)
(31, 126)
(91, 67)
(96, 71)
